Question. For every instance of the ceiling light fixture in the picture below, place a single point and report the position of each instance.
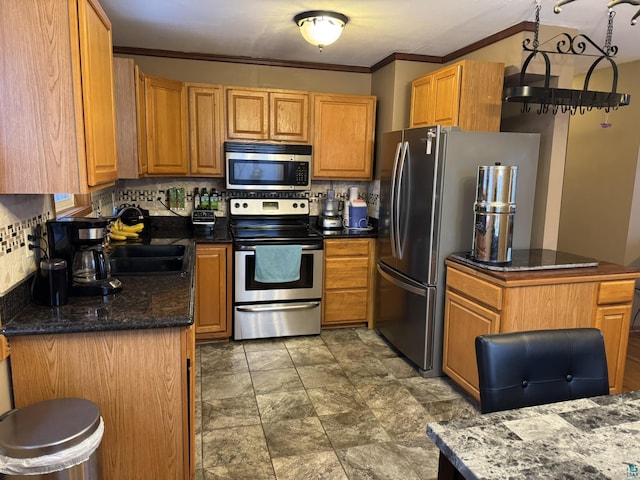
(321, 27)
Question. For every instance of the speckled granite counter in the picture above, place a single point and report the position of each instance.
(150, 301)
(370, 232)
(593, 438)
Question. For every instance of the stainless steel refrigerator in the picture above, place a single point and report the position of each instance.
(427, 192)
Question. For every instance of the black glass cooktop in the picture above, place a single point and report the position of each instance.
(533, 259)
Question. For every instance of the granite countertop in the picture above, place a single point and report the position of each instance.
(594, 438)
(532, 259)
(370, 232)
(146, 301)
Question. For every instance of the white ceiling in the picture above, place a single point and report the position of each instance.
(376, 29)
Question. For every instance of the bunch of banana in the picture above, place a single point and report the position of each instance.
(120, 231)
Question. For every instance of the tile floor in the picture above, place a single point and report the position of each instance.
(341, 405)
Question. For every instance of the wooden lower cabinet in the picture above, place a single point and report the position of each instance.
(348, 282)
(479, 302)
(142, 382)
(212, 311)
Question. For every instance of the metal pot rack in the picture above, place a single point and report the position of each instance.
(562, 100)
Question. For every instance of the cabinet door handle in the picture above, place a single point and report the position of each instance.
(278, 308)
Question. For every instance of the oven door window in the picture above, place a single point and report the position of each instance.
(305, 281)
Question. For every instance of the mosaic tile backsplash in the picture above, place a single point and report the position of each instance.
(20, 214)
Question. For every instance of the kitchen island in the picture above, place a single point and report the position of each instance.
(130, 353)
(594, 438)
(481, 300)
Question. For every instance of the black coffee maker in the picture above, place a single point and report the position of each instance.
(79, 242)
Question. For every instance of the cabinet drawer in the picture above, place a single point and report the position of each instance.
(352, 272)
(616, 292)
(475, 288)
(345, 306)
(341, 248)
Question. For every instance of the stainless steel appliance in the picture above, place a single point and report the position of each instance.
(262, 166)
(331, 212)
(78, 241)
(50, 285)
(427, 190)
(278, 306)
(494, 211)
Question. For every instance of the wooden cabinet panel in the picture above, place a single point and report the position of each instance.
(57, 90)
(616, 292)
(205, 140)
(136, 378)
(289, 116)
(348, 282)
(614, 323)
(500, 303)
(344, 306)
(422, 112)
(143, 166)
(465, 321)
(539, 307)
(166, 107)
(484, 292)
(346, 272)
(467, 94)
(247, 114)
(212, 311)
(343, 136)
(446, 95)
(97, 93)
(128, 115)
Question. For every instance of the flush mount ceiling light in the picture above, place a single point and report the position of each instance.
(321, 27)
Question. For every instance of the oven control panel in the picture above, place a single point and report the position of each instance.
(269, 206)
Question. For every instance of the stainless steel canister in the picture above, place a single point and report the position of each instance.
(494, 210)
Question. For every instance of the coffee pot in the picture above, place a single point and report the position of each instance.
(90, 265)
(79, 242)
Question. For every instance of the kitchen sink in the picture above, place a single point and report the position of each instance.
(147, 259)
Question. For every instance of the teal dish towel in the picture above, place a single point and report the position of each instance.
(278, 263)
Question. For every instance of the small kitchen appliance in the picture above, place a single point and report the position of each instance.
(78, 241)
(50, 285)
(203, 221)
(263, 166)
(331, 211)
(358, 214)
(494, 209)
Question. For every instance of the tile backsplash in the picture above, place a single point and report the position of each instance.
(20, 214)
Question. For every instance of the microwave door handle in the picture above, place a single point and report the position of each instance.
(392, 230)
(396, 207)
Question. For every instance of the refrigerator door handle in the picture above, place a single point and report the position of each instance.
(396, 206)
(405, 286)
(393, 213)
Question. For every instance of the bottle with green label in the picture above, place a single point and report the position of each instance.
(213, 200)
(204, 199)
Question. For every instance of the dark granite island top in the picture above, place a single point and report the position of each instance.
(149, 301)
(585, 439)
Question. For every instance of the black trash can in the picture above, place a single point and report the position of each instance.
(57, 439)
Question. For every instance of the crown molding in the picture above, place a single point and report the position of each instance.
(411, 57)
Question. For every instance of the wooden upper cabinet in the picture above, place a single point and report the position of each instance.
(260, 114)
(205, 142)
(289, 116)
(467, 94)
(131, 132)
(247, 114)
(57, 90)
(166, 106)
(343, 134)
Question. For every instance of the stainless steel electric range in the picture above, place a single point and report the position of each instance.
(288, 301)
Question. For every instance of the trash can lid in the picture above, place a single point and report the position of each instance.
(47, 427)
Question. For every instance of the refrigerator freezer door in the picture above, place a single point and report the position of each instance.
(406, 316)
(407, 202)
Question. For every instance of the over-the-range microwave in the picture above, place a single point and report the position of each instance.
(264, 166)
